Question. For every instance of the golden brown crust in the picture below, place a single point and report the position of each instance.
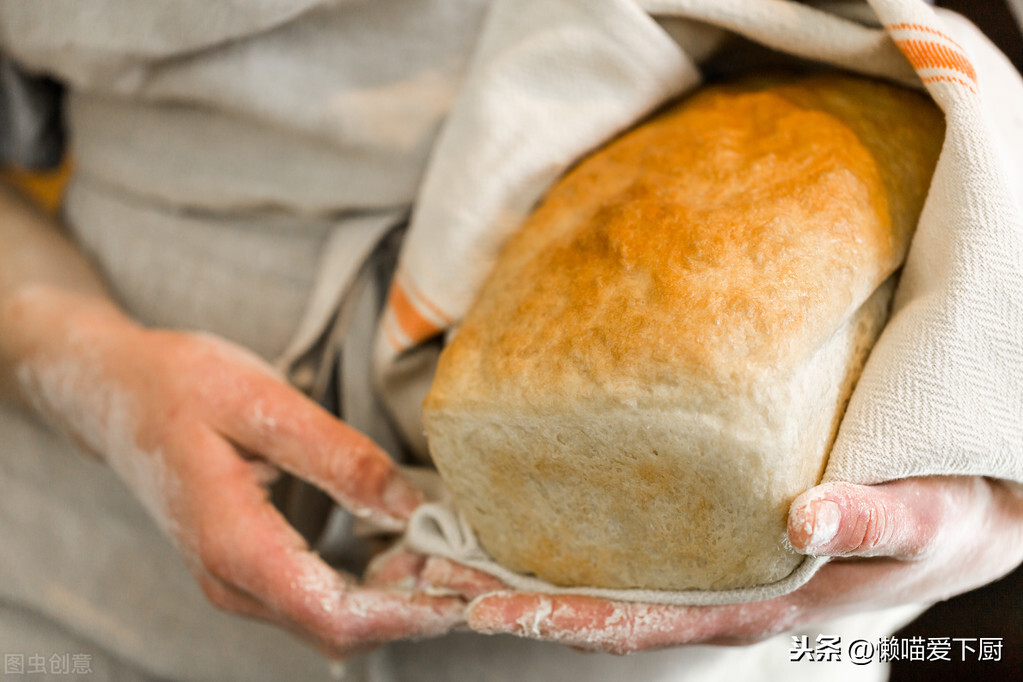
(713, 250)
(738, 227)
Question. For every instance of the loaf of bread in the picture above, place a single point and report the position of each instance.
(658, 364)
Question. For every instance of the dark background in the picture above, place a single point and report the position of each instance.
(996, 20)
(997, 609)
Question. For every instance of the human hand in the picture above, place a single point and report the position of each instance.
(197, 428)
(910, 541)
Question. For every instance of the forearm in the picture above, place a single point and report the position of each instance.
(43, 276)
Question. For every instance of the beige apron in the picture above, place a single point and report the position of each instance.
(237, 163)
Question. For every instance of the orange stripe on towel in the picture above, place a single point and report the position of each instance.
(925, 54)
(420, 299)
(950, 79)
(413, 324)
(924, 29)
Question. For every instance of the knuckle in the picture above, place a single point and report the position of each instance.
(213, 559)
(357, 464)
(216, 595)
(337, 466)
(874, 525)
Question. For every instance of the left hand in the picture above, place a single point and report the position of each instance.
(910, 541)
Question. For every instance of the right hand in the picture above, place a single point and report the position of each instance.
(911, 541)
(197, 428)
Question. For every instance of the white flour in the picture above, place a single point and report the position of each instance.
(102, 418)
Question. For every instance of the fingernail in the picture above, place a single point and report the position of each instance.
(826, 518)
(401, 497)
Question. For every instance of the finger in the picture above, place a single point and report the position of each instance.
(397, 568)
(583, 622)
(838, 589)
(265, 473)
(280, 424)
(595, 624)
(440, 573)
(231, 600)
(621, 627)
(899, 519)
(402, 569)
(246, 543)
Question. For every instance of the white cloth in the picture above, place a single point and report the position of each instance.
(942, 392)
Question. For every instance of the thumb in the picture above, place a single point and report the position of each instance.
(899, 519)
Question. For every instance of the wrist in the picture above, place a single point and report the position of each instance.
(44, 324)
